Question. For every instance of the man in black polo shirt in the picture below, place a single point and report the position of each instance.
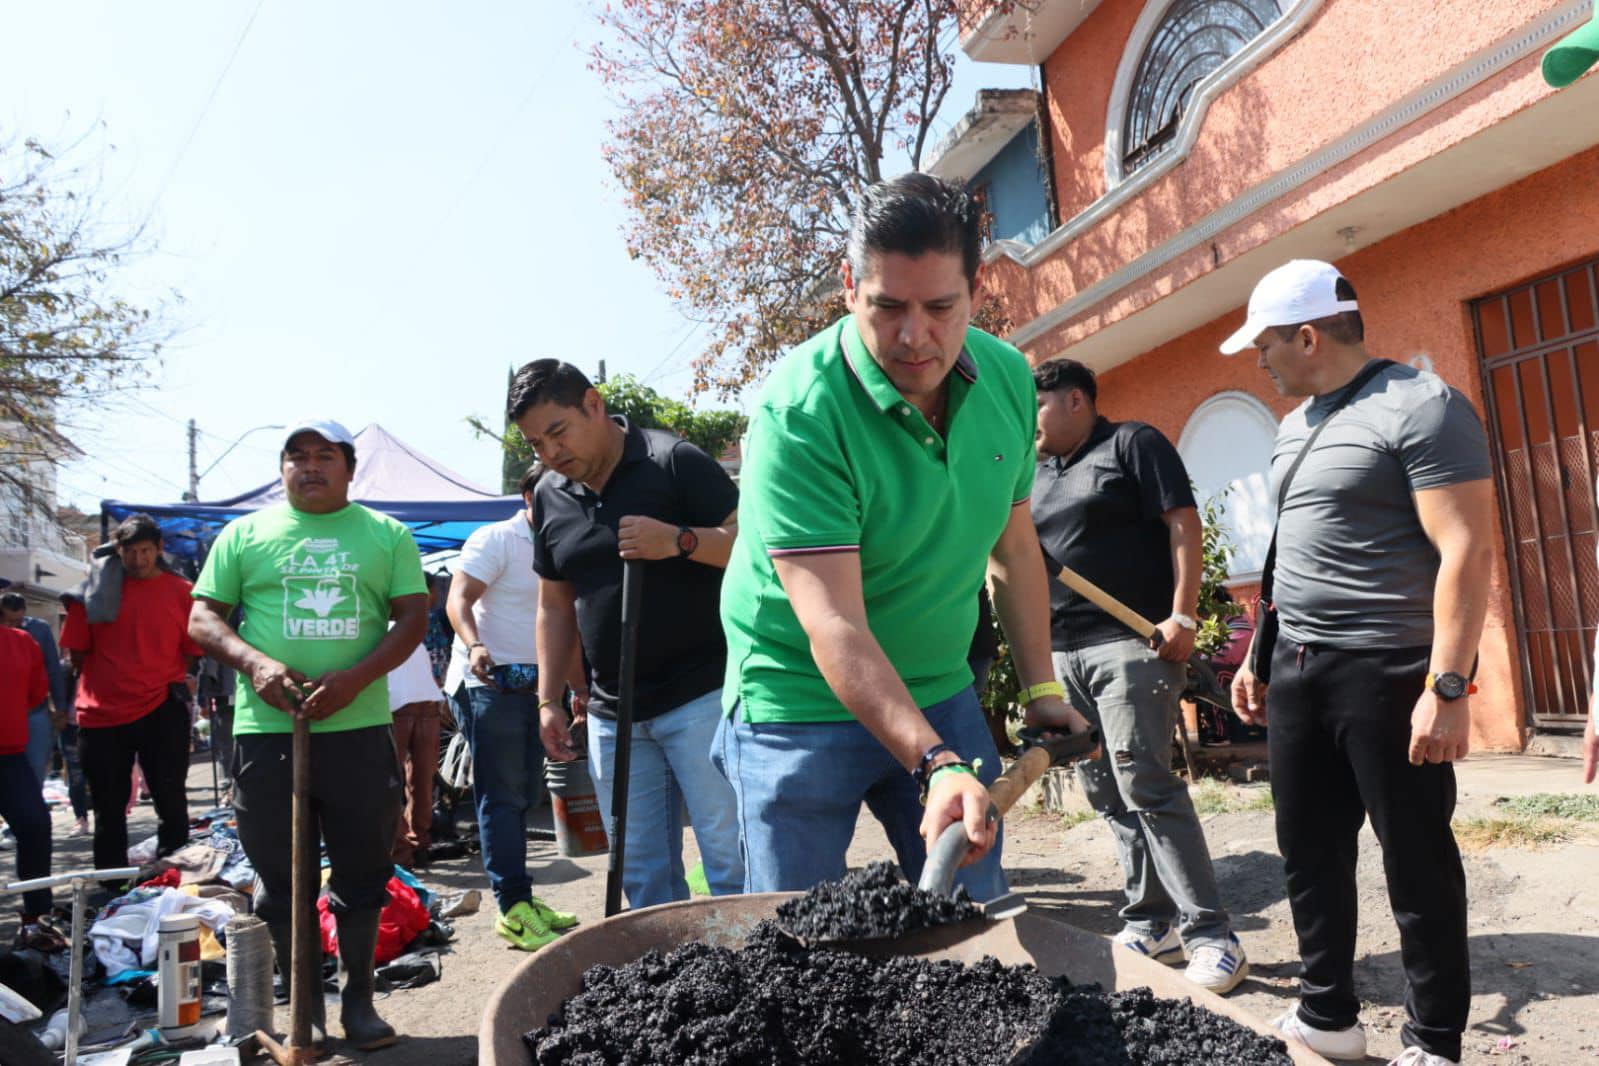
(616, 492)
(1112, 501)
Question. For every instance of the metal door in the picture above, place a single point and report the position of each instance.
(1539, 348)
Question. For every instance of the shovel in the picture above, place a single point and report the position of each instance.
(1043, 750)
(632, 605)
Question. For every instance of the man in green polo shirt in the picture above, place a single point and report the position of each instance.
(319, 579)
(888, 464)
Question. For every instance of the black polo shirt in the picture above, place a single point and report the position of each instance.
(681, 651)
(1099, 512)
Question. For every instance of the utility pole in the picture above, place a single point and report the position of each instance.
(194, 467)
(601, 379)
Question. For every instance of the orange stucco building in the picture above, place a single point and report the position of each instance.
(1188, 146)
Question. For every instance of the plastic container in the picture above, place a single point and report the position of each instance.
(178, 975)
(575, 809)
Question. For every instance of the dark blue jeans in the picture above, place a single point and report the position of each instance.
(22, 806)
(800, 787)
(507, 773)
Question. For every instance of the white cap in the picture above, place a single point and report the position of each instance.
(325, 428)
(1299, 291)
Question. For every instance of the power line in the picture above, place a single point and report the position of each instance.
(693, 328)
(199, 119)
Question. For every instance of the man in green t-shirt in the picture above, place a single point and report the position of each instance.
(888, 465)
(319, 579)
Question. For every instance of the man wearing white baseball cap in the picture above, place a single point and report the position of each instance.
(319, 579)
(1372, 603)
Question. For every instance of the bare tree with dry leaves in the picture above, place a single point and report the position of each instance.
(747, 129)
(67, 338)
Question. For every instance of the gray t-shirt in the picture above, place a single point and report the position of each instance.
(1354, 567)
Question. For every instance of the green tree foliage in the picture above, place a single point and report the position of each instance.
(712, 431)
(1217, 554)
(67, 338)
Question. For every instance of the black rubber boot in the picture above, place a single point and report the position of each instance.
(283, 947)
(358, 940)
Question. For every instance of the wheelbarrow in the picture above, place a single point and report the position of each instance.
(535, 990)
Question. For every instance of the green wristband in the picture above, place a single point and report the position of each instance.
(954, 767)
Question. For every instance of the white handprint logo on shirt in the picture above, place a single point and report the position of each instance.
(321, 599)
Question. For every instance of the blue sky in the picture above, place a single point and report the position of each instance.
(383, 206)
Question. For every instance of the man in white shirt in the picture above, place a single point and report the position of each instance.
(493, 606)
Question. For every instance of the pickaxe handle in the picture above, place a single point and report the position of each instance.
(1110, 605)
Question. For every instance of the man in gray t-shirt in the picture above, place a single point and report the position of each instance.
(1383, 545)
(1355, 568)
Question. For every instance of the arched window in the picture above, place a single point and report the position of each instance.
(1193, 38)
(1226, 447)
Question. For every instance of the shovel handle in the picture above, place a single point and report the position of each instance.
(945, 856)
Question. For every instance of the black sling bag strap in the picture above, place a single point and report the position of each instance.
(1266, 620)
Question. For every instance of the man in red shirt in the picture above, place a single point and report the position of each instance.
(131, 695)
(23, 686)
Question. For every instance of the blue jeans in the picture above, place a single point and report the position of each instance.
(800, 787)
(41, 740)
(23, 808)
(507, 771)
(670, 767)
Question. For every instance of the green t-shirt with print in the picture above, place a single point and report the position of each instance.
(315, 589)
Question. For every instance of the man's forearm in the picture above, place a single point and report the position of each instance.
(576, 679)
(221, 642)
(1460, 603)
(716, 545)
(392, 651)
(458, 608)
(1187, 561)
(556, 641)
(1020, 587)
(855, 667)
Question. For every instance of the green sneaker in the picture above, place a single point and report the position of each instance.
(553, 918)
(524, 928)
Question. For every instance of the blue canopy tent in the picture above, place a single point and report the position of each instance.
(440, 506)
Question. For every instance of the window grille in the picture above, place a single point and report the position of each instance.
(1193, 38)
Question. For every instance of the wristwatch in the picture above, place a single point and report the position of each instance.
(1450, 686)
(1185, 620)
(688, 542)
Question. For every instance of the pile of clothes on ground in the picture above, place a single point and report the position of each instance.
(212, 879)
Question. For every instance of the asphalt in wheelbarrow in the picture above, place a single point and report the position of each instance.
(776, 1002)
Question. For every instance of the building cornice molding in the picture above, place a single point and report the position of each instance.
(1437, 93)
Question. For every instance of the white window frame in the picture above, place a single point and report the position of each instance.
(1251, 405)
(1295, 13)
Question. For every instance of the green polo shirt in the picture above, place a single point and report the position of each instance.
(837, 460)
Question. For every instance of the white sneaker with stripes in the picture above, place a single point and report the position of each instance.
(1162, 945)
(1218, 965)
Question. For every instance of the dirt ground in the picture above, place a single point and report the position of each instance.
(1534, 919)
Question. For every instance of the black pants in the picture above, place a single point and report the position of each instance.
(77, 788)
(356, 792)
(22, 806)
(1339, 740)
(160, 741)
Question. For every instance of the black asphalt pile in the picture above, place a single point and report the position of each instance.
(776, 1003)
(869, 903)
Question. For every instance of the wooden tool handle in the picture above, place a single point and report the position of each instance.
(1018, 779)
(1110, 605)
